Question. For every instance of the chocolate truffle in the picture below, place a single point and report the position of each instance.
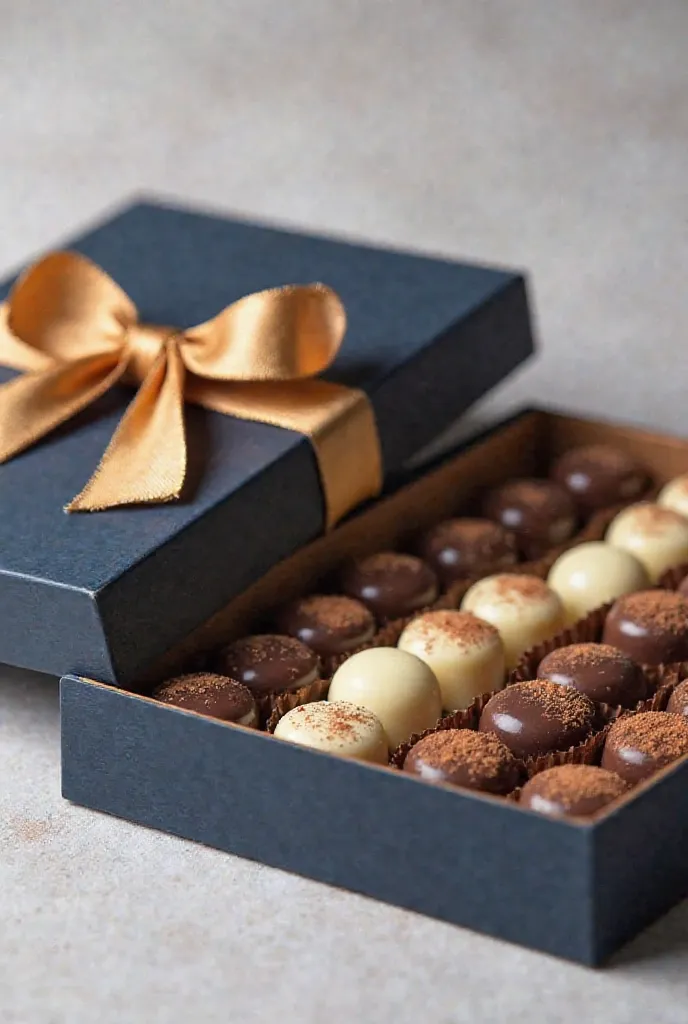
(397, 687)
(599, 475)
(656, 536)
(678, 702)
(328, 623)
(674, 495)
(457, 548)
(537, 717)
(461, 757)
(639, 745)
(540, 512)
(523, 609)
(601, 672)
(651, 627)
(337, 728)
(592, 574)
(213, 695)
(576, 790)
(270, 663)
(465, 653)
(390, 584)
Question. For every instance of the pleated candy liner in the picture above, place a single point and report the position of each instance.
(674, 577)
(275, 706)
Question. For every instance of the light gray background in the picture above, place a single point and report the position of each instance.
(547, 135)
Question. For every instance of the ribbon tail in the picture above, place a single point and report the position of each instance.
(34, 404)
(145, 461)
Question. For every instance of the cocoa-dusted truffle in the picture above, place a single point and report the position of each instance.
(390, 584)
(337, 728)
(461, 757)
(270, 663)
(674, 495)
(209, 694)
(457, 548)
(330, 624)
(577, 790)
(601, 672)
(540, 512)
(657, 536)
(678, 702)
(537, 717)
(651, 626)
(599, 475)
(639, 745)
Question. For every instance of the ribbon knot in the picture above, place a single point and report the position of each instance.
(76, 334)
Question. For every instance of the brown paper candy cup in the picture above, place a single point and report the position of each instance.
(275, 706)
(674, 577)
(588, 752)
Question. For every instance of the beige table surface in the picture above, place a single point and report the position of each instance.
(552, 135)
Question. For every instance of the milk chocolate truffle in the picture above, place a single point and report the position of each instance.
(601, 672)
(656, 536)
(397, 687)
(592, 574)
(678, 702)
(639, 745)
(651, 627)
(674, 495)
(537, 717)
(465, 653)
(461, 757)
(270, 663)
(540, 512)
(328, 623)
(390, 584)
(337, 728)
(599, 475)
(213, 695)
(524, 610)
(457, 548)
(576, 790)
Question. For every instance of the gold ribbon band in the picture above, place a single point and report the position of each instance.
(76, 334)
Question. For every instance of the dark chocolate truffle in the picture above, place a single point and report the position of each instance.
(390, 584)
(599, 475)
(458, 548)
(329, 623)
(571, 789)
(601, 672)
(639, 745)
(678, 702)
(270, 663)
(210, 694)
(651, 626)
(461, 757)
(540, 512)
(537, 717)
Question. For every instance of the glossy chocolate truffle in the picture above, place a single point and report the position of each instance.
(674, 495)
(340, 728)
(678, 702)
(540, 512)
(576, 790)
(601, 672)
(651, 627)
(523, 609)
(328, 623)
(656, 536)
(465, 653)
(537, 717)
(390, 584)
(397, 687)
(461, 757)
(457, 548)
(213, 695)
(639, 745)
(599, 475)
(270, 663)
(592, 574)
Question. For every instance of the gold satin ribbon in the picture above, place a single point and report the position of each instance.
(76, 334)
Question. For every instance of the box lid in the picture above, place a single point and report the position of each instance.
(106, 593)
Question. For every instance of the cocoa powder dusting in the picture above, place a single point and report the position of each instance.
(391, 561)
(657, 734)
(654, 520)
(481, 754)
(569, 782)
(336, 722)
(462, 628)
(334, 612)
(516, 588)
(588, 655)
(661, 610)
(560, 703)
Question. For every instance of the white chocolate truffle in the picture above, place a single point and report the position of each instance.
(396, 686)
(523, 608)
(674, 495)
(589, 575)
(465, 653)
(337, 728)
(657, 536)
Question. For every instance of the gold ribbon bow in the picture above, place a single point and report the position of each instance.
(76, 334)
